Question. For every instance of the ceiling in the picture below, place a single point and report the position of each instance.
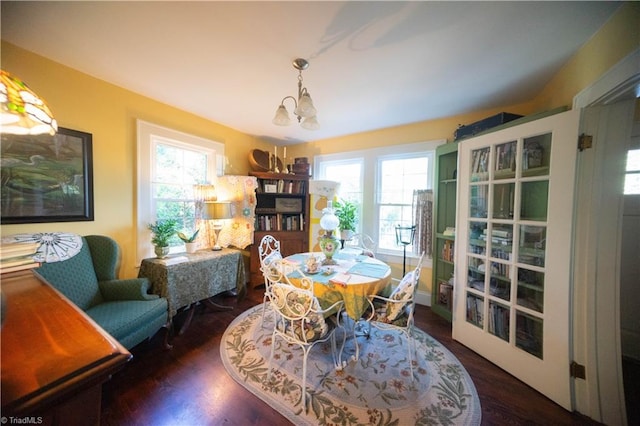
(372, 64)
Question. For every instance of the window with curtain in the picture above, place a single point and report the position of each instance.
(386, 180)
(399, 175)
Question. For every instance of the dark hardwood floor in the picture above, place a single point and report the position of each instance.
(188, 385)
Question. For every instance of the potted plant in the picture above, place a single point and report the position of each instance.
(190, 242)
(347, 213)
(162, 231)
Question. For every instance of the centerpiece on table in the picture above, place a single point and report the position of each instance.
(329, 244)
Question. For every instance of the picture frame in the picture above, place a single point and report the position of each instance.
(47, 178)
(289, 205)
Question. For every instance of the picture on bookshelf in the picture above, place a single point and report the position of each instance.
(288, 205)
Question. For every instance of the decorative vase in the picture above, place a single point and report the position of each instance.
(161, 252)
(191, 247)
(329, 246)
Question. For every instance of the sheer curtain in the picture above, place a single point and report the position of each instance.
(423, 214)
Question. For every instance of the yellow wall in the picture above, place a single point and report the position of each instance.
(109, 112)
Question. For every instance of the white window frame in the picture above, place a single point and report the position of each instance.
(149, 135)
(370, 181)
(430, 154)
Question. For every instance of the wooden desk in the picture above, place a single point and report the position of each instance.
(54, 357)
(204, 274)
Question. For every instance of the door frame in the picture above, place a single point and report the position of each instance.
(596, 307)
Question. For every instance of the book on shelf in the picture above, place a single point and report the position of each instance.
(506, 157)
(499, 321)
(280, 222)
(282, 186)
(475, 309)
(480, 161)
(448, 251)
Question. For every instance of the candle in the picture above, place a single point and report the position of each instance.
(285, 153)
(275, 151)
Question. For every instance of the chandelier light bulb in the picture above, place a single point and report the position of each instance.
(310, 123)
(282, 116)
(305, 106)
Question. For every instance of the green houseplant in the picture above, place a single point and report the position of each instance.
(162, 231)
(189, 241)
(347, 213)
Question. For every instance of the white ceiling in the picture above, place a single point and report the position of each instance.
(372, 64)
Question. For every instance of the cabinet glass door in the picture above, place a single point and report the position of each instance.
(514, 212)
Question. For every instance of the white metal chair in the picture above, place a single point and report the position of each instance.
(364, 243)
(268, 252)
(301, 321)
(395, 312)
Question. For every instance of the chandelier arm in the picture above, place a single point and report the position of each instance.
(289, 97)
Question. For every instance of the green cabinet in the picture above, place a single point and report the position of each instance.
(444, 228)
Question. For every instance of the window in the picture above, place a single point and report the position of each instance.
(398, 177)
(176, 168)
(349, 173)
(632, 178)
(382, 181)
(170, 163)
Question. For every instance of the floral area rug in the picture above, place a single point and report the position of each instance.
(374, 390)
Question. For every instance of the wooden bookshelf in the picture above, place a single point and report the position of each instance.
(282, 210)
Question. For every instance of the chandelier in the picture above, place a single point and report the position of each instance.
(304, 109)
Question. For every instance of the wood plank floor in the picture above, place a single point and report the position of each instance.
(188, 385)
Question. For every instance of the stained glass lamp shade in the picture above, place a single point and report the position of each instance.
(22, 111)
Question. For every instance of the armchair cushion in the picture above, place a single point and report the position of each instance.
(301, 312)
(400, 297)
(130, 321)
(121, 307)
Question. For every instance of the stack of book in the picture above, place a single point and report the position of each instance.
(17, 256)
(498, 236)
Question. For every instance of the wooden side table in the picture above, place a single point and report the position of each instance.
(54, 357)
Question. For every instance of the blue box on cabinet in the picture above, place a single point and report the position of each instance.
(468, 130)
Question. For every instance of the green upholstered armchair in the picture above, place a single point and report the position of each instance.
(121, 307)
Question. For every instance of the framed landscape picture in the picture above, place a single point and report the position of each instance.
(46, 178)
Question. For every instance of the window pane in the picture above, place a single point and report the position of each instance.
(632, 183)
(176, 171)
(632, 180)
(633, 160)
(350, 177)
(398, 178)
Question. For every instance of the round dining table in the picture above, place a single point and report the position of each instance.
(352, 279)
